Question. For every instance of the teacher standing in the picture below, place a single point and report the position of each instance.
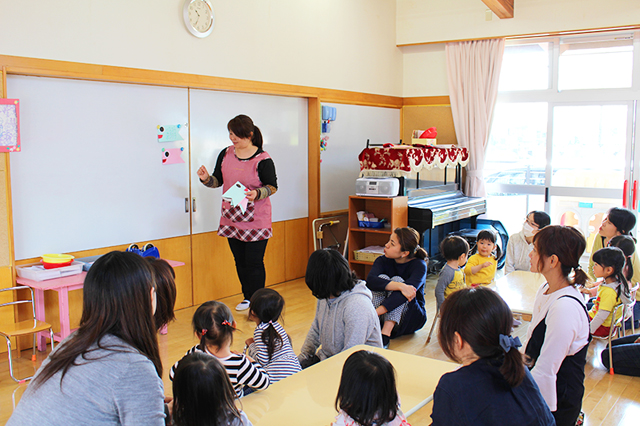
(247, 232)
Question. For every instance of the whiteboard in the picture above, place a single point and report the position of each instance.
(283, 122)
(339, 168)
(90, 172)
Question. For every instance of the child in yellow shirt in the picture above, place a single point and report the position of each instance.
(608, 263)
(481, 267)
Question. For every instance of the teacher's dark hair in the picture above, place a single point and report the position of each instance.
(565, 242)
(367, 391)
(480, 316)
(328, 274)
(202, 392)
(623, 219)
(165, 291)
(117, 301)
(409, 240)
(243, 127)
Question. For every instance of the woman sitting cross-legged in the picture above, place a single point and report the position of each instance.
(397, 283)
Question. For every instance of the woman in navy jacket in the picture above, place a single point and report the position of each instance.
(397, 283)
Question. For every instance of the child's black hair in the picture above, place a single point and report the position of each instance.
(489, 235)
(627, 244)
(267, 305)
(367, 391)
(614, 257)
(453, 246)
(202, 392)
(213, 322)
(328, 274)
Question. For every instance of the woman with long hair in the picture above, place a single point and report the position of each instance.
(108, 372)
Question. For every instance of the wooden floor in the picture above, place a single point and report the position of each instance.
(609, 400)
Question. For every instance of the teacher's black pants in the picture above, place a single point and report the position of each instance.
(249, 257)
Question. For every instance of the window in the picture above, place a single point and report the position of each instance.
(562, 136)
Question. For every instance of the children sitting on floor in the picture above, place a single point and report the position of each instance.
(214, 325)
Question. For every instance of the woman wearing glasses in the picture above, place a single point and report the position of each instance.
(520, 244)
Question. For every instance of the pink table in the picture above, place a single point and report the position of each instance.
(62, 286)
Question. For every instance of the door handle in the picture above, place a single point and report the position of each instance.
(186, 205)
(635, 195)
(193, 204)
(625, 194)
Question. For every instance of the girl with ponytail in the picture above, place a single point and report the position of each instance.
(397, 283)
(558, 335)
(270, 344)
(214, 326)
(475, 330)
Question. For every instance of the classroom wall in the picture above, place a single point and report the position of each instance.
(337, 44)
(429, 21)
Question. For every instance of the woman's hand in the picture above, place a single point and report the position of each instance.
(249, 341)
(203, 174)
(408, 291)
(251, 195)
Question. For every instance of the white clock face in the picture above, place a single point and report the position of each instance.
(198, 16)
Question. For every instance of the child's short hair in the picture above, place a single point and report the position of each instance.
(213, 321)
(267, 305)
(367, 391)
(202, 392)
(453, 246)
(485, 234)
(328, 274)
(165, 291)
(480, 316)
(488, 235)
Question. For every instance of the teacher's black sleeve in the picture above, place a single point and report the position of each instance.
(215, 180)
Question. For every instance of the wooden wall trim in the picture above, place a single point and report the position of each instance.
(315, 116)
(75, 70)
(426, 100)
(533, 35)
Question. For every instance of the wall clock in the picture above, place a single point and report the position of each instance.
(198, 17)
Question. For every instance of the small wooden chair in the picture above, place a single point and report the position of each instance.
(435, 320)
(616, 325)
(628, 311)
(30, 326)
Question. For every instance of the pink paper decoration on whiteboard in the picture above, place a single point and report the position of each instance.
(9, 125)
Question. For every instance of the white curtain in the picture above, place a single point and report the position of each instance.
(473, 71)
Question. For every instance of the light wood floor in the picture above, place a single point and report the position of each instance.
(609, 400)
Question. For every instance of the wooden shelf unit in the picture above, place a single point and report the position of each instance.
(393, 209)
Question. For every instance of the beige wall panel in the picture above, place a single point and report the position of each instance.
(296, 242)
(5, 240)
(214, 271)
(7, 312)
(423, 117)
(274, 257)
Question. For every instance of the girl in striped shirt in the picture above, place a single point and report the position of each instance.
(214, 325)
(270, 344)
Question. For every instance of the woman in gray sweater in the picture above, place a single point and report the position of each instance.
(109, 371)
(345, 316)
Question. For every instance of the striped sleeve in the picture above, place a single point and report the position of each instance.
(172, 372)
(244, 372)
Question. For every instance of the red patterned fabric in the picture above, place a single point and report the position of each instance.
(404, 161)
